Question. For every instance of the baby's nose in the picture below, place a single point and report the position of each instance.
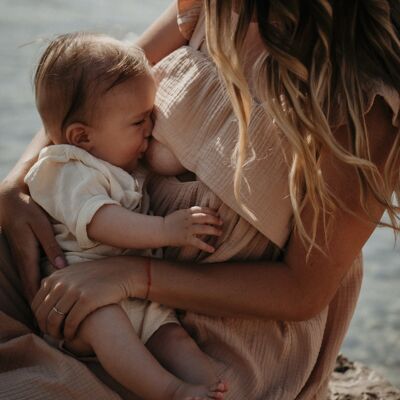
(151, 124)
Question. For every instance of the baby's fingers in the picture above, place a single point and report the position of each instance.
(196, 242)
(206, 230)
(202, 218)
(203, 210)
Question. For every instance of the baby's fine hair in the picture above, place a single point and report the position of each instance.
(75, 70)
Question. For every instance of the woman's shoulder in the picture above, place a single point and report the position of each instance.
(381, 111)
(381, 102)
(188, 12)
(389, 97)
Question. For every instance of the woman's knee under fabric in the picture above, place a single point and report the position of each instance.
(12, 300)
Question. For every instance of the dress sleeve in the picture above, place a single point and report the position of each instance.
(390, 95)
(371, 89)
(188, 15)
(71, 193)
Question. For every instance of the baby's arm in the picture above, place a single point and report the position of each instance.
(162, 161)
(119, 227)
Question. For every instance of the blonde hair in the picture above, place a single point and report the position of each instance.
(318, 52)
(74, 70)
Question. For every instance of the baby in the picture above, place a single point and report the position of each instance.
(95, 96)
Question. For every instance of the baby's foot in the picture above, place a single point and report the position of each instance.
(200, 392)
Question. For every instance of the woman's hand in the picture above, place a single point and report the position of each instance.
(69, 295)
(26, 226)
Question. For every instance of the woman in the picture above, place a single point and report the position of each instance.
(315, 89)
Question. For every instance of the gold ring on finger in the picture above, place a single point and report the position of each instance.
(55, 309)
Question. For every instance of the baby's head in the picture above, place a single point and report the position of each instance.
(97, 93)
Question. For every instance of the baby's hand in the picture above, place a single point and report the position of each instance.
(183, 226)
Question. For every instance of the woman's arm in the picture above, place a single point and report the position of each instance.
(297, 288)
(28, 158)
(163, 36)
(24, 223)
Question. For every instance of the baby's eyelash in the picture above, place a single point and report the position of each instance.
(139, 122)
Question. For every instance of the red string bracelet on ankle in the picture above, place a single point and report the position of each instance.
(148, 270)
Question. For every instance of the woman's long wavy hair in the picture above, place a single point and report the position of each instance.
(318, 53)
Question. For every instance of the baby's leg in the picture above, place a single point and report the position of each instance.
(180, 354)
(110, 334)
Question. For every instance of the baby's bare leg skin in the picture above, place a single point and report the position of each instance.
(110, 334)
(179, 353)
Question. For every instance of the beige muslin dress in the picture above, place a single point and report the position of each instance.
(261, 360)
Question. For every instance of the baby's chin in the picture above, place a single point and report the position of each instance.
(132, 166)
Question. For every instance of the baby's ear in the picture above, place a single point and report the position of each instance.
(79, 135)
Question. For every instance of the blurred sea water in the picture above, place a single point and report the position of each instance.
(374, 335)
